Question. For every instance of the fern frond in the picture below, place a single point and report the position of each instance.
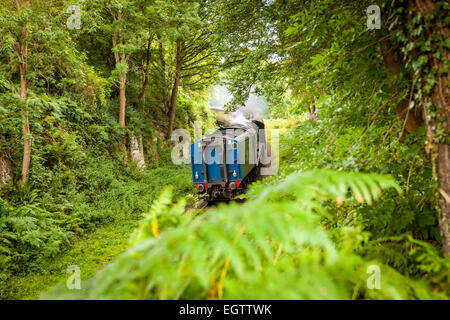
(270, 247)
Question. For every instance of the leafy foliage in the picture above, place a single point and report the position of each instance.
(343, 96)
(273, 246)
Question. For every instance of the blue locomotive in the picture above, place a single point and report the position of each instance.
(225, 162)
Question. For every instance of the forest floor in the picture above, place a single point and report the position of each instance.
(90, 253)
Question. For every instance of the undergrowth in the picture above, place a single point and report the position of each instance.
(274, 246)
(36, 225)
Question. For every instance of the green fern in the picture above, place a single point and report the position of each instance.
(160, 216)
(271, 247)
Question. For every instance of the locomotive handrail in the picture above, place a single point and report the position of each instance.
(205, 171)
(224, 157)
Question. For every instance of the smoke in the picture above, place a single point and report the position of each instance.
(239, 118)
(255, 107)
(219, 96)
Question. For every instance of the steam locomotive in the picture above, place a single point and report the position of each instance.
(225, 162)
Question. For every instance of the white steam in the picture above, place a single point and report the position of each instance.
(254, 108)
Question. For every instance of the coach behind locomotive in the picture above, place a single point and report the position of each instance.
(225, 162)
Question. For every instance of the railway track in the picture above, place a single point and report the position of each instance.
(213, 204)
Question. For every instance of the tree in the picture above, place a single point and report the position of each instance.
(124, 26)
(30, 28)
(41, 55)
(18, 28)
(323, 50)
(187, 42)
(426, 54)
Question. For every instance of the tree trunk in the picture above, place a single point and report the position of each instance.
(163, 71)
(136, 151)
(142, 94)
(21, 49)
(443, 173)
(121, 57)
(440, 155)
(438, 146)
(145, 69)
(312, 108)
(413, 120)
(23, 54)
(176, 83)
(123, 99)
(26, 148)
(6, 169)
(122, 103)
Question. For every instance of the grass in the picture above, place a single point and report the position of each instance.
(90, 253)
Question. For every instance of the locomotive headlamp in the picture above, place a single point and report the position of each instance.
(233, 186)
(200, 188)
(234, 174)
(196, 175)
